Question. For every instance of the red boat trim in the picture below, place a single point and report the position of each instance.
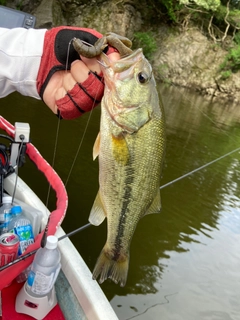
(57, 216)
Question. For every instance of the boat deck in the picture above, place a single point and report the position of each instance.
(66, 301)
(8, 297)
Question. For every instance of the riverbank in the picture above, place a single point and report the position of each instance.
(185, 56)
(188, 58)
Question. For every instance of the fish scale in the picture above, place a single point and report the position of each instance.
(130, 148)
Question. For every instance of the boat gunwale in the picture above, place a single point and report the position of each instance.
(87, 291)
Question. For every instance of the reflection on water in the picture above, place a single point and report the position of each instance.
(184, 261)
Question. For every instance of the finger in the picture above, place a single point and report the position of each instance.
(92, 64)
(60, 93)
(114, 56)
(68, 81)
(79, 71)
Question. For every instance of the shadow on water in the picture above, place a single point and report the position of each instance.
(180, 255)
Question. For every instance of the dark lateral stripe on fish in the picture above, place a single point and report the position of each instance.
(124, 210)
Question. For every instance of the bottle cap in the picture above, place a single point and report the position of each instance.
(52, 242)
(16, 210)
(7, 199)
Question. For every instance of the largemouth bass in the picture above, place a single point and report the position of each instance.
(130, 148)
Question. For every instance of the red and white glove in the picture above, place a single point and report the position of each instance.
(56, 56)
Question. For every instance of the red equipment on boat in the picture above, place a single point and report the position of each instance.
(56, 217)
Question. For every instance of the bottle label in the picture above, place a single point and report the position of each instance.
(40, 283)
(7, 216)
(26, 237)
(4, 228)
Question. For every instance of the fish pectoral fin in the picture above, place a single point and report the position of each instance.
(97, 214)
(96, 147)
(155, 206)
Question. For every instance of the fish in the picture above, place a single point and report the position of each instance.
(130, 148)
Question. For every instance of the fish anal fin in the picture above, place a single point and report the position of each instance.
(155, 206)
(97, 214)
(96, 147)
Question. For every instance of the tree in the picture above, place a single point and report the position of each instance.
(206, 4)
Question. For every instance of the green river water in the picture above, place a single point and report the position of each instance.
(185, 261)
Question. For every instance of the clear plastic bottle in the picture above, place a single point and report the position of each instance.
(21, 226)
(32, 213)
(45, 269)
(5, 214)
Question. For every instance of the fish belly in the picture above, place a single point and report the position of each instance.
(129, 177)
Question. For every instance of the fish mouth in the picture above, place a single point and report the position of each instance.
(125, 113)
(122, 64)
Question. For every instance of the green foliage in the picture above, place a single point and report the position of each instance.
(205, 4)
(147, 42)
(226, 74)
(2, 2)
(19, 5)
(172, 8)
(235, 4)
(175, 8)
(234, 58)
(237, 38)
(220, 13)
(231, 62)
(233, 17)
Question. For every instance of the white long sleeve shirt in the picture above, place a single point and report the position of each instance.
(20, 56)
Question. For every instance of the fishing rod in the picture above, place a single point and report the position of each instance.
(34, 251)
(89, 224)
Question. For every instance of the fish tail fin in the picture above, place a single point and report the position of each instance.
(114, 269)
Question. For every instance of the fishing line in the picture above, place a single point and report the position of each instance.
(74, 161)
(44, 237)
(154, 305)
(79, 147)
(68, 51)
(225, 133)
(55, 149)
(54, 157)
(199, 168)
(16, 169)
(89, 224)
(81, 141)
(88, 119)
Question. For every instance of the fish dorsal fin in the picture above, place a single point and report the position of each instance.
(97, 214)
(96, 147)
(155, 206)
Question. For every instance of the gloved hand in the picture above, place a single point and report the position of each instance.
(69, 84)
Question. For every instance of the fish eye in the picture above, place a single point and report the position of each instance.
(142, 77)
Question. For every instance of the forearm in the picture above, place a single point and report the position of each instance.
(20, 55)
(43, 64)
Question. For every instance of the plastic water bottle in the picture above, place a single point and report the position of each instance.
(21, 226)
(5, 214)
(45, 269)
(33, 214)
